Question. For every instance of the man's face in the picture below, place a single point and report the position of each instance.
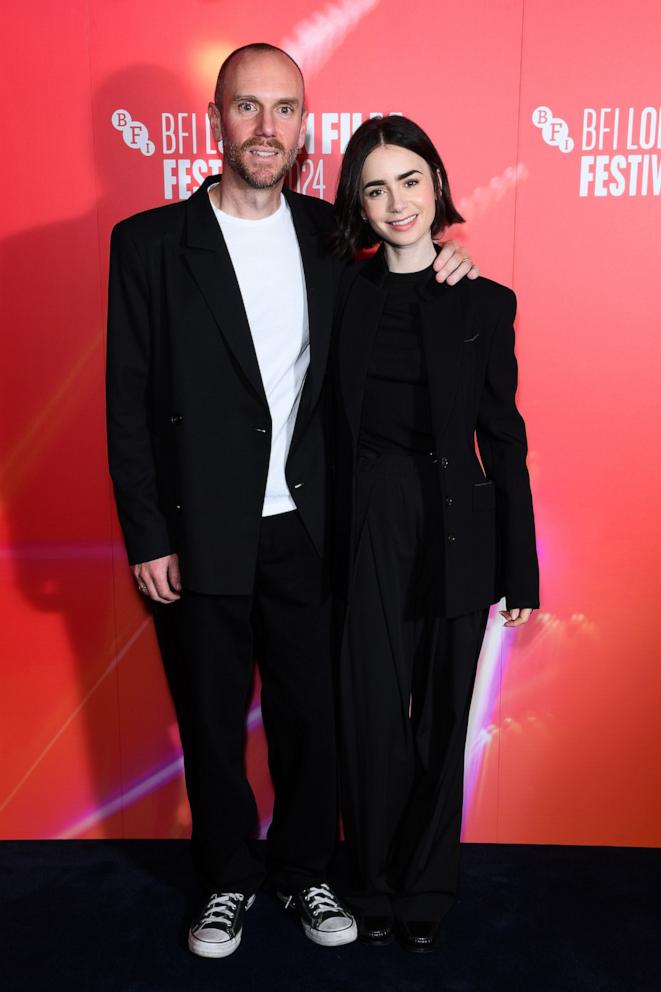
(261, 121)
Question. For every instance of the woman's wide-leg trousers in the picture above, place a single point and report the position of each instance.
(406, 678)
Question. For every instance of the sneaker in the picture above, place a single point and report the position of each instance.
(323, 918)
(217, 932)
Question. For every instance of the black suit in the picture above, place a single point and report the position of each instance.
(424, 543)
(189, 444)
(188, 421)
(469, 343)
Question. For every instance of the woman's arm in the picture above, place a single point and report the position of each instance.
(501, 438)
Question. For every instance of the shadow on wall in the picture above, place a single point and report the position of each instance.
(96, 722)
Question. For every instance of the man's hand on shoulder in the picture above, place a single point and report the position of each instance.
(159, 579)
(453, 263)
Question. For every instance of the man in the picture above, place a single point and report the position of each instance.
(220, 315)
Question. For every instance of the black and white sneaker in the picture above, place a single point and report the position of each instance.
(322, 916)
(217, 932)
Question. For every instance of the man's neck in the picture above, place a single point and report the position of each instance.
(235, 197)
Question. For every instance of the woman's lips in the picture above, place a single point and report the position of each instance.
(405, 224)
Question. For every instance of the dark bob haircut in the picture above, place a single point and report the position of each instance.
(352, 232)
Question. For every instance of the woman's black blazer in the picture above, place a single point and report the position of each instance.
(489, 529)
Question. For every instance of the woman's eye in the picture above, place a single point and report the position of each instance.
(411, 182)
(374, 193)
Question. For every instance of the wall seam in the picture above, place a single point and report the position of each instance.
(102, 294)
(512, 280)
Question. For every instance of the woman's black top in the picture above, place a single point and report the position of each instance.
(396, 413)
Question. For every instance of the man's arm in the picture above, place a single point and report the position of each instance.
(130, 411)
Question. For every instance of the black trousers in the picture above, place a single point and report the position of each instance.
(208, 645)
(406, 678)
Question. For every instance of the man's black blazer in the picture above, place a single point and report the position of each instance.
(488, 520)
(188, 421)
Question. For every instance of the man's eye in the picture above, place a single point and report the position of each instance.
(246, 105)
(286, 111)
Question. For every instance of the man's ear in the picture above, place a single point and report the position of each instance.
(213, 114)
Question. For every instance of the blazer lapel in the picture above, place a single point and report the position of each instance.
(318, 285)
(444, 316)
(209, 261)
(359, 326)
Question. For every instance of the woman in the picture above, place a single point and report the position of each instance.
(425, 540)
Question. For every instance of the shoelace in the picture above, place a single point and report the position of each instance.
(220, 907)
(321, 900)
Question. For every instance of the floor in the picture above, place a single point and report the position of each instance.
(113, 915)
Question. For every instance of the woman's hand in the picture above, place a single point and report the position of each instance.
(516, 616)
(453, 263)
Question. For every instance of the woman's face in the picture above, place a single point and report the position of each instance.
(397, 195)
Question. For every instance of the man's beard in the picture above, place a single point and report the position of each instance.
(233, 156)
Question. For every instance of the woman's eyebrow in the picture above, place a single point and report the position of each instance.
(382, 182)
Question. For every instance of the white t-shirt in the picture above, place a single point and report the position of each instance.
(269, 270)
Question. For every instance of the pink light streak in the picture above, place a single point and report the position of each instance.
(483, 720)
(144, 786)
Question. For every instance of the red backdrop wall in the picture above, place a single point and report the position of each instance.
(549, 121)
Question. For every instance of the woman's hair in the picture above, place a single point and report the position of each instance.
(352, 232)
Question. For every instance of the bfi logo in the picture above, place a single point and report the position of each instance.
(135, 133)
(555, 131)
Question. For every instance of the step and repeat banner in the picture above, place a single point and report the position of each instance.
(548, 117)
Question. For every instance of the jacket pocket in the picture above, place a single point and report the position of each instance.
(484, 496)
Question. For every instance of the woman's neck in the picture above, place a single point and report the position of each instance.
(410, 258)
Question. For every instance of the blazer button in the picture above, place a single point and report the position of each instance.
(260, 430)
(444, 463)
(177, 506)
(449, 500)
(176, 418)
(451, 538)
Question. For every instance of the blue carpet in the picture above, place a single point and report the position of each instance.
(112, 915)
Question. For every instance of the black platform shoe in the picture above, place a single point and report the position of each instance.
(377, 930)
(418, 936)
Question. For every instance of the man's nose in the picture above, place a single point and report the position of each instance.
(266, 123)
